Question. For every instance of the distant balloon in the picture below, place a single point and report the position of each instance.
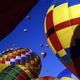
(62, 29)
(22, 56)
(41, 45)
(46, 70)
(47, 45)
(46, 78)
(43, 54)
(25, 30)
(28, 17)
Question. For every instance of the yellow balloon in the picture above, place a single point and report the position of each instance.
(66, 78)
(62, 29)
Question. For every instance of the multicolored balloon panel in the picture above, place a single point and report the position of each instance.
(21, 56)
(16, 73)
(62, 28)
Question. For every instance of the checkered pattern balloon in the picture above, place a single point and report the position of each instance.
(62, 28)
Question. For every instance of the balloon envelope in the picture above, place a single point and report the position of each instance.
(66, 78)
(16, 73)
(21, 56)
(41, 45)
(62, 29)
(43, 54)
(46, 45)
(46, 78)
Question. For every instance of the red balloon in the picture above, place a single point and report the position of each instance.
(43, 54)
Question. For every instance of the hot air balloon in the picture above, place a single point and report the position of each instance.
(46, 78)
(28, 17)
(47, 45)
(67, 73)
(21, 56)
(62, 29)
(14, 72)
(25, 30)
(41, 45)
(46, 69)
(43, 54)
(66, 78)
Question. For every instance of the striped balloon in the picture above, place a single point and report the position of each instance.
(21, 56)
(62, 29)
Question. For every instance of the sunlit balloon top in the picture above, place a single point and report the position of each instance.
(66, 78)
(63, 32)
(46, 78)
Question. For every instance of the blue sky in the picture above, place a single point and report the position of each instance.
(33, 38)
